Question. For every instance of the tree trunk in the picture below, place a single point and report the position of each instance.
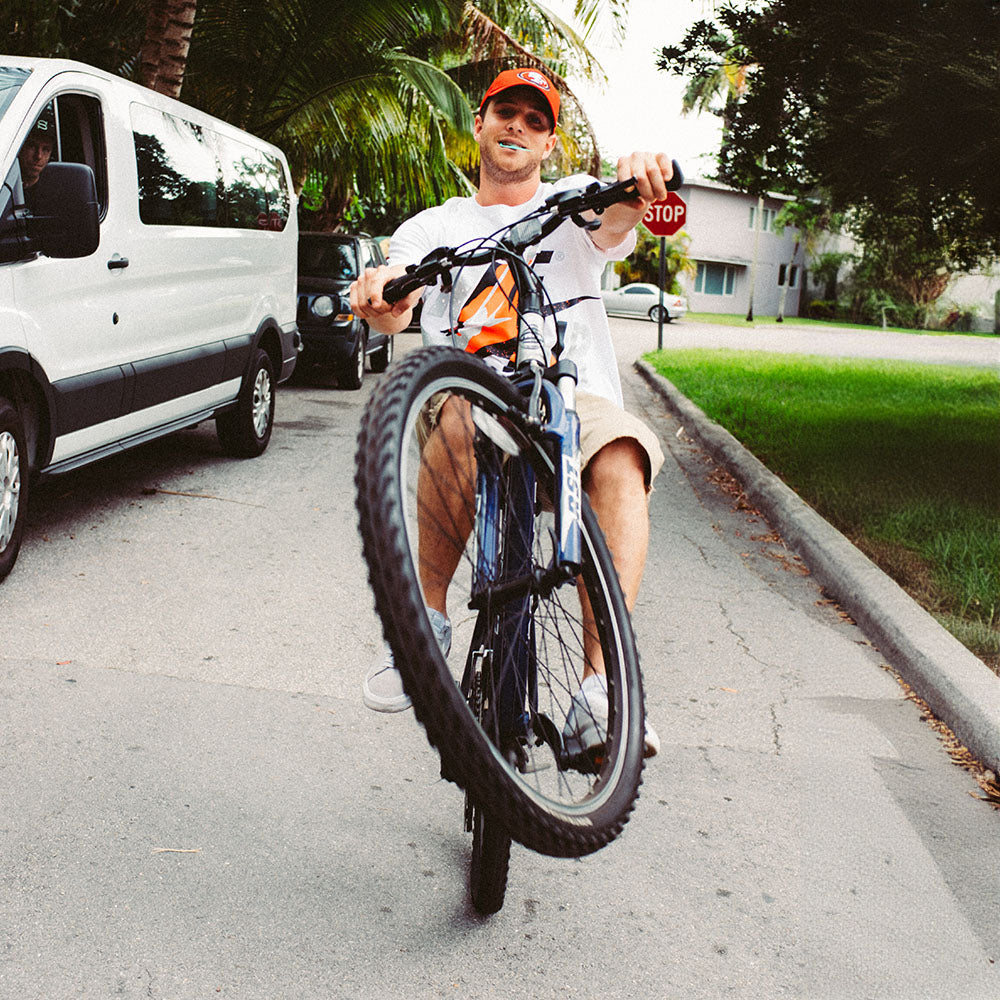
(164, 52)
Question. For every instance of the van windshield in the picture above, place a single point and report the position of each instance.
(11, 80)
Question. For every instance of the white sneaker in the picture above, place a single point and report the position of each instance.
(586, 728)
(383, 687)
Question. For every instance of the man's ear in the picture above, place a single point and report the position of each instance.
(550, 144)
(477, 127)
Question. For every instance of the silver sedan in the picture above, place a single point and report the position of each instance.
(643, 299)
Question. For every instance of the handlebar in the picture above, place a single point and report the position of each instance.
(571, 203)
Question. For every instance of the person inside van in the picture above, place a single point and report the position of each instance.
(35, 153)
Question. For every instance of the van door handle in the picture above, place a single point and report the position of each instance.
(116, 263)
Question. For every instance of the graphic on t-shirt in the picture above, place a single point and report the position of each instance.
(492, 309)
(490, 313)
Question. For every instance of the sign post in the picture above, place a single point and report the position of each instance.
(663, 219)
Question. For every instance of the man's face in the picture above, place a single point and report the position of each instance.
(514, 134)
(34, 155)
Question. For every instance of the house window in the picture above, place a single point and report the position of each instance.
(793, 275)
(715, 279)
(766, 219)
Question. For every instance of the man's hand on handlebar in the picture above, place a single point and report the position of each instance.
(653, 173)
(368, 304)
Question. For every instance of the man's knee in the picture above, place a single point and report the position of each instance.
(621, 466)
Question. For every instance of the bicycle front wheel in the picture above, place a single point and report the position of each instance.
(455, 494)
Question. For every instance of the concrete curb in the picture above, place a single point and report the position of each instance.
(959, 688)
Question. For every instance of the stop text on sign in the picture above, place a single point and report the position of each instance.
(666, 217)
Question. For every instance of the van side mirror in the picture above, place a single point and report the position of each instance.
(64, 220)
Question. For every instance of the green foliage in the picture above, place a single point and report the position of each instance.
(104, 33)
(903, 458)
(373, 101)
(825, 268)
(643, 264)
(889, 110)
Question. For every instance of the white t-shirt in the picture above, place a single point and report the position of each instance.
(478, 317)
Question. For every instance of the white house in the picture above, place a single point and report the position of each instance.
(722, 224)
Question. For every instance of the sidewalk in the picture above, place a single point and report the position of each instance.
(959, 688)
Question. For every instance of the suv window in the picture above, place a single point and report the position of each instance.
(372, 254)
(323, 257)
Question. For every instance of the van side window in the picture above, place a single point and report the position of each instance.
(246, 197)
(193, 176)
(81, 138)
(178, 173)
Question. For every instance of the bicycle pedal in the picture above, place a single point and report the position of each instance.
(585, 762)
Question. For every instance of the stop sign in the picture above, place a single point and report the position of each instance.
(664, 218)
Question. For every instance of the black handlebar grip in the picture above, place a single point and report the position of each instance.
(678, 178)
(399, 288)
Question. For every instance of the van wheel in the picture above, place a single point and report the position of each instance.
(352, 373)
(380, 359)
(13, 485)
(245, 430)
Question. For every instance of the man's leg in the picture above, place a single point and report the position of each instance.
(446, 490)
(615, 482)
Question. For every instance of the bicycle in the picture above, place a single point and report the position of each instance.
(451, 453)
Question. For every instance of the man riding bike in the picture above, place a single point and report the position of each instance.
(515, 130)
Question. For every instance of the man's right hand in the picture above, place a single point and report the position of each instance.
(367, 302)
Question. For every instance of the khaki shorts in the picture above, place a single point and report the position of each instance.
(601, 422)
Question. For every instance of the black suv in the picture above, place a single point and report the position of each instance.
(331, 335)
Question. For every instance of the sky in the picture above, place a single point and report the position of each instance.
(639, 109)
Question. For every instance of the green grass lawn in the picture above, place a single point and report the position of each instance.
(903, 458)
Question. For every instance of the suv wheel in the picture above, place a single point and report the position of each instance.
(353, 372)
(380, 359)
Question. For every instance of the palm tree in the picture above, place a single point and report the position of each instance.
(373, 98)
(728, 79)
(165, 47)
(367, 97)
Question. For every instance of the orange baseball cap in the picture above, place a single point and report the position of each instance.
(526, 77)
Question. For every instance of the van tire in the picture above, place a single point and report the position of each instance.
(13, 484)
(245, 430)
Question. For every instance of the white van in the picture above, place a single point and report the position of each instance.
(147, 275)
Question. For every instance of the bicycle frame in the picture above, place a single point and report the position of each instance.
(504, 558)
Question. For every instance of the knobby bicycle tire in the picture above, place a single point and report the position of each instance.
(490, 862)
(546, 801)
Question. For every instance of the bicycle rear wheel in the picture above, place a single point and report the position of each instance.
(417, 500)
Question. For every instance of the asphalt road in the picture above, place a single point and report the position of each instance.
(194, 802)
